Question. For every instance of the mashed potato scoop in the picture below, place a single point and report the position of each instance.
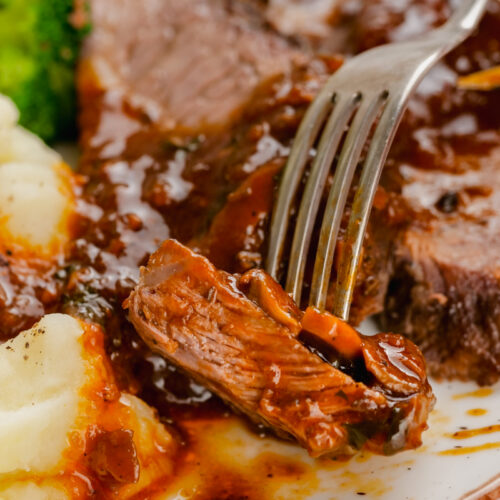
(63, 422)
(36, 190)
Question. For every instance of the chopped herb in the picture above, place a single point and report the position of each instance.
(356, 437)
(342, 394)
(189, 147)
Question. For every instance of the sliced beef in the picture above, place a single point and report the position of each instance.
(189, 109)
(216, 51)
(445, 166)
(245, 348)
(445, 292)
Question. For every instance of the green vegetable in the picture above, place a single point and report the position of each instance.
(38, 54)
(357, 435)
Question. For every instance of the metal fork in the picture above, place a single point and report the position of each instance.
(374, 85)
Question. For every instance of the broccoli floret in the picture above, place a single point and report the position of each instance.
(38, 53)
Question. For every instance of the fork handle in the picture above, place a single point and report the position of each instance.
(464, 18)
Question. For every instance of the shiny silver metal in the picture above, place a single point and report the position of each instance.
(373, 88)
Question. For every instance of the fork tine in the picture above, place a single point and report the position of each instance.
(412, 60)
(306, 135)
(337, 198)
(309, 205)
(363, 200)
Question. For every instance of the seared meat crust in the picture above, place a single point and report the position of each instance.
(245, 348)
(205, 132)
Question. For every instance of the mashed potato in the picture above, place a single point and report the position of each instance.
(36, 190)
(65, 427)
(66, 431)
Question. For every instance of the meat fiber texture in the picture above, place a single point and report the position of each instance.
(199, 102)
(245, 347)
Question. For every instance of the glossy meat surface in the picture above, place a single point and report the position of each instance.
(245, 348)
(444, 288)
(217, 51)
(430, 259)
(202, 167)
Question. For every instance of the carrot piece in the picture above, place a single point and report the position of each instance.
(332, 330)
(484, 80)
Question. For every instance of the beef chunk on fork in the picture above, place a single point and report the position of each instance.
(239, 336)
(159, 77)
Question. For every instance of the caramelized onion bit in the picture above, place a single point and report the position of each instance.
(337, 333)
